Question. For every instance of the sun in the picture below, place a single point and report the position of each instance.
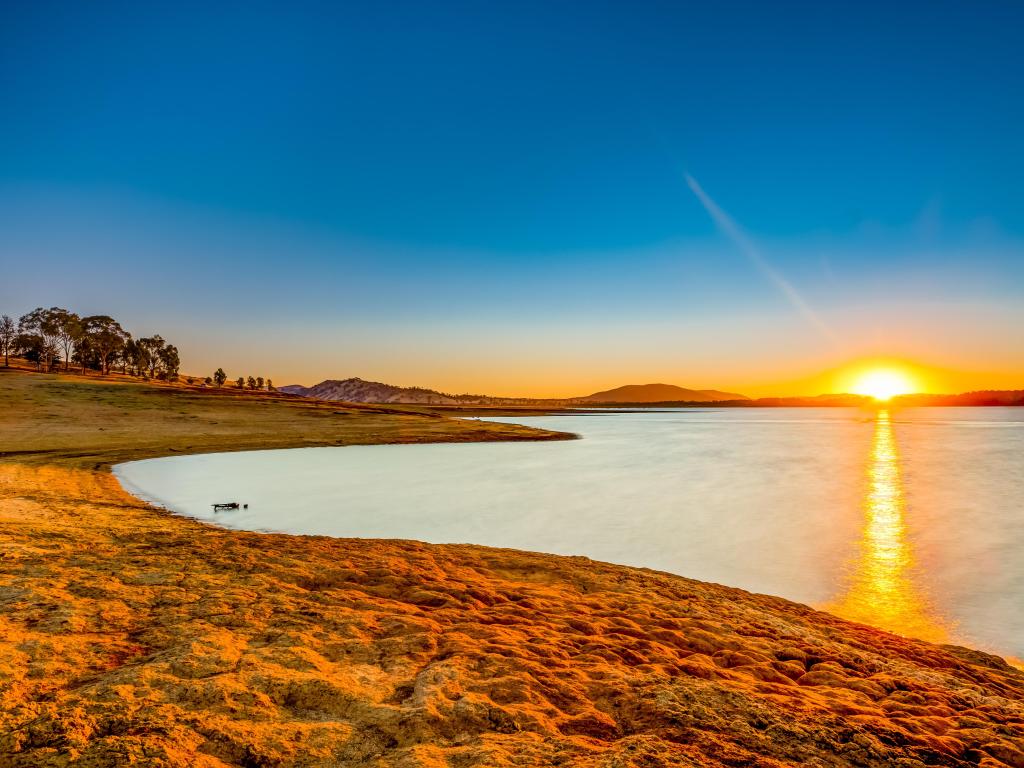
(883, 384)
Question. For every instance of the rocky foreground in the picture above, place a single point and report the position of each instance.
(132, 637)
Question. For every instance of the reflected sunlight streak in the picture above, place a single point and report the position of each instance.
(882, 592)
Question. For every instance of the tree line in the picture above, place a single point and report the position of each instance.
(219, 378)
(57, 338)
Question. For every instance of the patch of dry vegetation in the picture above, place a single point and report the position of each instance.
(94, 421)
(132, 637)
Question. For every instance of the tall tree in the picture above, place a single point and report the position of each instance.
(259, 382)
(105, 338)
(38, 331)
(67, 330)
(169, 362)
(219, 377)
(84, 354)
(240, 382)
(153, 346)
(138, 356)
(126, 354)
(8, 333)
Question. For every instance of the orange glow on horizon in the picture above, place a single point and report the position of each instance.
(883, 384)
(879, 377)
(516, 373)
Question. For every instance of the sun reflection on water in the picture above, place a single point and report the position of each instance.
(882, 590)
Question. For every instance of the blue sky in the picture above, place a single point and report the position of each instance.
(399, 189)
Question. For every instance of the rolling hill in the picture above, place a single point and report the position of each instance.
(356, 390)
(659, 393)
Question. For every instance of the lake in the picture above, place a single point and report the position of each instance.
(912, 520)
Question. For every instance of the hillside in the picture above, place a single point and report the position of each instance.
(357, 390)
(659, 393)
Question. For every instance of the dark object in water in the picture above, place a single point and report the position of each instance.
(227, 505)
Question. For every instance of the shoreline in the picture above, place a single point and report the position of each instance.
(134, 633)
(487, 518)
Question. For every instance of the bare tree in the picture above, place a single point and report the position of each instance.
(8, 333)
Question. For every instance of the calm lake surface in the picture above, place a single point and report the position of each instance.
(912, 520)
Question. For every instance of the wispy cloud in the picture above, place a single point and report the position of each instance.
(734, 232)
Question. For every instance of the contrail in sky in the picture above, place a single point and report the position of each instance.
(732, 230)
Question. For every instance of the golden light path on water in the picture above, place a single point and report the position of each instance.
(883, 591)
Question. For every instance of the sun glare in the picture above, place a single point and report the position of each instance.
(883, 384)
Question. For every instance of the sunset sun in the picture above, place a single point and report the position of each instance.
(883, 384)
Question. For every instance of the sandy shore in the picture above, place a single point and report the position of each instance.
(130, 636)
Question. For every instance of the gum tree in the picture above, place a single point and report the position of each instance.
(169, 361)
(153, 346)
(8, 333)
(67, 330)
(105, 338)
(38, 332)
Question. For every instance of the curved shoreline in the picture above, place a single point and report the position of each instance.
(677, 512)
(134, 634)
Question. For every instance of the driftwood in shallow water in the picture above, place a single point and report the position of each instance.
(229, 505)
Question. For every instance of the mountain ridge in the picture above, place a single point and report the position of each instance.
(356, 390)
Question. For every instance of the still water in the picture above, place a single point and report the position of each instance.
(912, 520)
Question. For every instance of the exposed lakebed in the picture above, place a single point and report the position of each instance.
(911, 520)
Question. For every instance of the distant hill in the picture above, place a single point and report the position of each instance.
(984, 397)
(659, 393)
(293, 389)
(357, 390)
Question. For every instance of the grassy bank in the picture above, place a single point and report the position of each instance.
(89, 421)
(129, 636)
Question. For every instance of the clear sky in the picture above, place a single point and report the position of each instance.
(494, 197)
